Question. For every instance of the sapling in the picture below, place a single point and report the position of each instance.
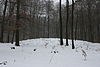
(46, 45)
(55, 52)
(51, 58)
(84, 54)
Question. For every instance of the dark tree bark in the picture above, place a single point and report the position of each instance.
(67, 19)
(17, 23)
(97, 22)
(13, 37)
(60, 19)
(3, 21)
(73, 47)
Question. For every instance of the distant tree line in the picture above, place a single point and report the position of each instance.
(29, 19)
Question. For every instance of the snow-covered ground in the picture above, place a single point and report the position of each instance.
(48, 53)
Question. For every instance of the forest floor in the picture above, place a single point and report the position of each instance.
(48, 53)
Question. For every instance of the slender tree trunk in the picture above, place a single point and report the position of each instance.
(67, 20)
(98, 23)
(60, 16)
(72, 25)
(8, 35)
(3, 21)
(13, 37)
(17, 23)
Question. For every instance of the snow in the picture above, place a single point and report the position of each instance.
(45, 52)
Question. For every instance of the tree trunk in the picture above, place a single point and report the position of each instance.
(67, 19)
(60, 19)
(17, 23)
(73, 47)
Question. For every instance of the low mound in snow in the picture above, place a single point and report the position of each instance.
(48, 53)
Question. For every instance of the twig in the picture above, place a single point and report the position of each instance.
(51, 58)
